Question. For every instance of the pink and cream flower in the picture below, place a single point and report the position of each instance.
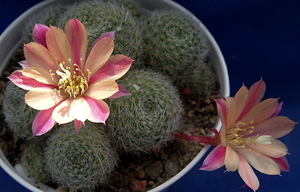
(250, 128)
(65, 82)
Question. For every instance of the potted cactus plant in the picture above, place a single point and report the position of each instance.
(150, 58)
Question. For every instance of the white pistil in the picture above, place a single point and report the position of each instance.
(264, 140)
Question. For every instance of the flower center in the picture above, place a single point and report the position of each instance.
(236, 137)
(72, 80)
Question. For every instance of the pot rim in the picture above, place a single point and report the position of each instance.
(215, 56)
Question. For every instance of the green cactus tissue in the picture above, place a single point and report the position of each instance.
(145, 119)
(80, 160)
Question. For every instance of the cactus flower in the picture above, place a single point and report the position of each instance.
(64, 81)
(250, 128)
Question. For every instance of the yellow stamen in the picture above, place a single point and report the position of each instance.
(72, 81)
(236, 136)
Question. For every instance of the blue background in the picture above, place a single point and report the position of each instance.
(258, 38)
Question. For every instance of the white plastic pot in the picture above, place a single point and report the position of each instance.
(11, 39)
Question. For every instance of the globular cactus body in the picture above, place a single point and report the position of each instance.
(145, 119)
(33, 160)
(79, 160)
(18, 115)
(173, 44)
(203, 81)
(132, 6)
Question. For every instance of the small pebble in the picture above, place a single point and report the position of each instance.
(141, 174)
(160, 180)
(151, 183)
(138, 185)
(154, 170)
(171, 167)
(61, 189)
(139, 167)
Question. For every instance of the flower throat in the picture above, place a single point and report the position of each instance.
(72, 81)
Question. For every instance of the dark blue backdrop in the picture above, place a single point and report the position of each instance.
(258, 38)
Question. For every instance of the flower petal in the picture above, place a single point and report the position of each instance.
(99, 55)
(99, 110)
(279, 107)
(43, 122)
(77, 124)
(39, 34)
(114, 68)
(122, 92)
(42, 98)
(276, 127)
(80, 109)
(38, 56)
(61, 113)
(282, 163)
(23, 64)
(236, 105)
(58, 45)
(256, 93)
(77, 37)
(26, 83)
(261, 111)
(260, 162)
(71, 109)
(215, 159)
(221, 106)
(231, 160)
(102, 89)
(40, 75)
(247, 174)
(110, 35)
(276, 149)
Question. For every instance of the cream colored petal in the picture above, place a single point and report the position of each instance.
(37, 55)
(260, 162)
(80, 109)
(99, 54)
(102, 89)
(61, 114)
(42, 98)
(58, 44)
(231, 160)
(40, 75)
(275, 149)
